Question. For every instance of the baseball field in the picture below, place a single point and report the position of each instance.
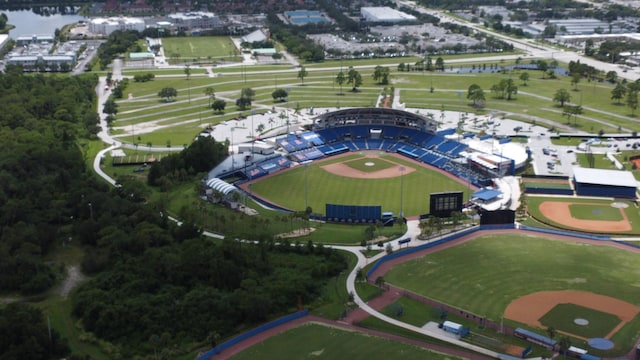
(599, 281)
(591, 215)
(367, 178)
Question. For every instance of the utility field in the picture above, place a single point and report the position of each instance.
(288, 188)
(485, 275)
(199, 47)
(314, 341)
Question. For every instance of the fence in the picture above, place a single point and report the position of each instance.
(262, 328)
(566, 233)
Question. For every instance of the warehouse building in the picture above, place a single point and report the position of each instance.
(384, 14)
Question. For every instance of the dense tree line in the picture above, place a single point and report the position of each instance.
(294, 39)
(201, 156)
(24, 335)
(40, 166)
(193, 289)
(118, 42)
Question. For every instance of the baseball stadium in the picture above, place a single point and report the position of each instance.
(560, 281)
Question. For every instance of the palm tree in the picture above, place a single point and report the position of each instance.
(187, 71)
(211, 93)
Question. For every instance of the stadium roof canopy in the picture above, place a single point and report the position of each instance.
(221, 185)
(604, 177)
(486, 194)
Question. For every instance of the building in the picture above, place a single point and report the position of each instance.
(194, 20)
(303, 17)
(256, 36)
(106, 26)
(4, 38)
(384, 14)
(34, 39)
(43, 62)
(607, 183)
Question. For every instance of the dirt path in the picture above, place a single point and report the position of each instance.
(73, 279)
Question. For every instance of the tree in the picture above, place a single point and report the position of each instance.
(341, 79)
(588, 47)
(279, 95)
(564, 343)
(542, 66)
(440, 64)
(524, 77)
(110, 107)
(575, 79)
(618, 93)
(211, 93)
(243, 103)
(168, 93)
(632, 98)
(219, 105)
(505, 88)
(248, 93)
(380, 282)
(510, 88)
(611, 76)
(354, 78)
(381, 75)
(302, 73)
(561, 96)
(476, 94)
(187, 71)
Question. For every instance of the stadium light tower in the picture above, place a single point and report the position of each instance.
(233, 159)
(401, 215)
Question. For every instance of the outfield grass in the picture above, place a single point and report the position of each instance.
(288, 188)
(533, 208)
(495, 270)
(562, 317)
(323, 342)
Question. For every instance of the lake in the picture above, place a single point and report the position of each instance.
(27, 22)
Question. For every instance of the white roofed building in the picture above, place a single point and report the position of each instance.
(194, 20)
(384, 14)
(106, 26)
(606, 183)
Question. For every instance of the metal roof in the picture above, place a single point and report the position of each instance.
(221, 185)
(604, 177)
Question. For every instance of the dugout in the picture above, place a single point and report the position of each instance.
(604, 183)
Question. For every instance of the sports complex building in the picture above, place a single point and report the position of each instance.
(393, 131)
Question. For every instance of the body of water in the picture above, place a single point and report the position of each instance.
(28, 23)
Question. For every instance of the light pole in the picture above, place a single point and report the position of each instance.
(401, 215)
(233, 159)
(253, 137)
(306, 189)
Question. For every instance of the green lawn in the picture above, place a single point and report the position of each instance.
(591, 212)
(562, 317)
(199, 47)
(322, 342)
(484, 275)
(288, 188)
